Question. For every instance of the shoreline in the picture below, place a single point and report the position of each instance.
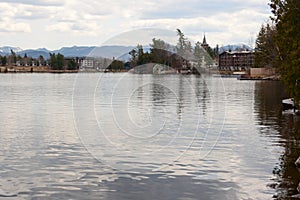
(32, 69)
(45, 69)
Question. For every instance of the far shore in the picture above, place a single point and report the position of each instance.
(32, 69)
(46, 69)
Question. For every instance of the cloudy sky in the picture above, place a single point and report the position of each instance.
(56, 23)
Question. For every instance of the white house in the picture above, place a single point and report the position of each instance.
(87, 63)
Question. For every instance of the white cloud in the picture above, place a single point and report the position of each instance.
(7, 22)
(236, 26)
(36, 2)
(93, 20)
(142, 36)
(80, 28)
(15, 27)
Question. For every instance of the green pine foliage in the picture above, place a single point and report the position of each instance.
(266, 51)
(116, 65)
(72, 65)
(57, 61)
(3, 60)
(287, 38)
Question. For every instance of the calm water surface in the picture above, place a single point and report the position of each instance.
(125, 136)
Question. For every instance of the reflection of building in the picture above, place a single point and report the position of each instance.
(236, 60)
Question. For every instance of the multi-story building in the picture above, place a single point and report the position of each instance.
(87, 63)
(236, 60)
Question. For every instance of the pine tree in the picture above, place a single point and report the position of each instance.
(57, 61)
(60, 61)
(184, 50)
(3, 61)
(266, 50)
(287, 19)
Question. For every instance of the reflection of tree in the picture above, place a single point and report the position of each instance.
(268, 101)
(202, 57)
(273, 123)
(286, 172)
(202, 95)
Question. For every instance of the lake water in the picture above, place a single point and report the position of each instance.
(128, 136)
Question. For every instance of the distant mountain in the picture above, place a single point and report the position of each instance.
(7, 50)
(235, 47)
(75, 51)
(35, 53)
(43, 49)
(85, 51)
(117, 52)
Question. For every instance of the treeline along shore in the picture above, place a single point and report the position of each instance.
(33, 69)
(57, 63)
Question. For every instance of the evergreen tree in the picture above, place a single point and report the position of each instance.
(72, 65)
(159, 44)
(184, 47)
(3, 61)
(160, 52)
(60, 61)
(216, 51)
(117, 65)
(134, 57)
(287, 20)
(198, 53)
(203, 56)
(57, 61)
(19, 59)
(140, 51)
(14, 57)
(181, 42)
(53, 63)
(266, 51)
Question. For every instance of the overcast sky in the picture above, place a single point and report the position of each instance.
(56, 23)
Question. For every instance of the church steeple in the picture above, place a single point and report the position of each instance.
(204, 44)
(204, 40)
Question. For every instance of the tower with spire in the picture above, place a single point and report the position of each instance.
(204, 44)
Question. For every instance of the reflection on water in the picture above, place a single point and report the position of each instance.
(282, 130)
(124, 136)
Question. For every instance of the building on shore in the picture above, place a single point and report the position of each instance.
(86, 62)
(94, 64)
(263, 72)
(236, 60)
